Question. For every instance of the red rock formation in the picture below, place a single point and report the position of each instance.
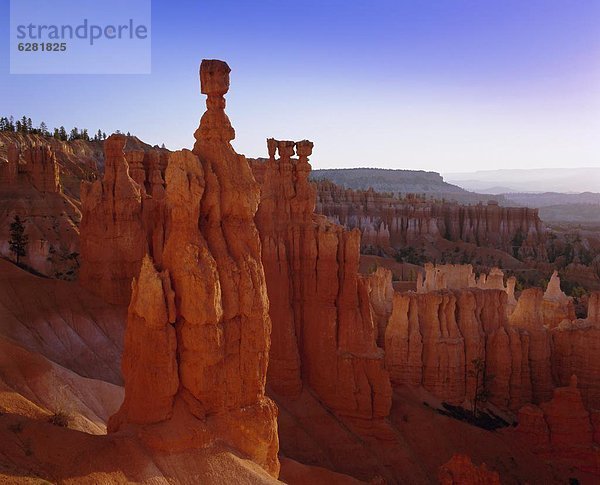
(30, 188)
(556, 306)
(560, 424)
(533, 428)
(568, 421)
(389, 222)
(576, 351)
(529, 315)
(432, 339)
(381, 294)
(460, 470)
(113, 240)
(198, 316)
(34, 164)
(9, 170)
(461, 276)
(323, 330)
(42, 168)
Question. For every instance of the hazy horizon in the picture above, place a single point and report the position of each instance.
(452, 87)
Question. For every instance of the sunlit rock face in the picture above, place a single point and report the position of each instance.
(198, 329)
(324, 334)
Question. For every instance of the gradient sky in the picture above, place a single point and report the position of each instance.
(444, 85)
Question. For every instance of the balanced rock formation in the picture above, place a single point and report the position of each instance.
(324, 335)
(389, 223)
(198, 329)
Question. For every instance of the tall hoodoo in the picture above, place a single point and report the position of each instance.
(324, 334)
(199, 307)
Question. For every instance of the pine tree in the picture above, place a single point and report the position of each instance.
(24, 124)
(74, 134)
(103, 135)
(43, 129)
(62, 133)
(128, 134)
(3, 124)
(29, 125)
(19, 126)
(98, 136)
(18, 240)
(84, 135)
(11, 124)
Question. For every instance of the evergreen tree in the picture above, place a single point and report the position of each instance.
(18, 240)
(128, 134)
(84, 135)
(103, 135)
(163, 146)
(62, 133)
(11, 124)
(3, 124)
(56, 134)
(19, 126)
(74, 134)
(98, 136)
(24, 124)
(29, 125)
(43, 129)
(482, 381)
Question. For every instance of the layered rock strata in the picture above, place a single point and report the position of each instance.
(388, 222)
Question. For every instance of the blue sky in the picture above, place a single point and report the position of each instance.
(445, 85)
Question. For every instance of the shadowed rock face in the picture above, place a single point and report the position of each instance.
(198, 329)
(461, 470)
(561, 425)
(324, 335)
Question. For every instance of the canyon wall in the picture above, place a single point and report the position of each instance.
(435, 338)
(390, 223)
